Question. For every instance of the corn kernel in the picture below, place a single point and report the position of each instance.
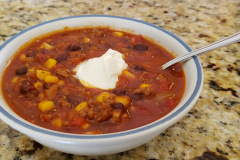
(117, 113)
(42, 74)
(85, 39)
(133, 41)
(45, 106)
(128, 74)
(50, 63)
(118, 34)
(103, 97)
(38, 85)
(22, 56)
(85, 125)
(125, 100)
(31, 70)
(57, 122)
(144, 85)
(81, 106)
(125, 116)
(15, 79)
(51, 79)
(46, 46)
(60, 82)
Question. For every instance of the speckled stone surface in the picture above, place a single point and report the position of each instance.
(210, 129)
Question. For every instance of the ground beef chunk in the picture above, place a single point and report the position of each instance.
(147, 77)
(109, 44)
(70, 115)
(63, 72)
(74, 99)
(78, 54)
(146, 91)
(28, 89)
(46, 117)
(99, 112)
(64, 103)
(21, 71)
(52, 91)
(86, 46)
(29, 61)
(73, 81)
(98, 33)
(41, 97)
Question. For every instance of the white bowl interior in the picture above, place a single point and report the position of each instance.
(168, 41)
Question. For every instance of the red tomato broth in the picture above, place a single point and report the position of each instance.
(167, 86)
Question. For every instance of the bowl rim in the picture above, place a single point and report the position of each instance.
(152, 125)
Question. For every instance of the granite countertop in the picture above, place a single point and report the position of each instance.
(211, 129)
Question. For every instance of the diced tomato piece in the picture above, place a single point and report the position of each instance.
(77, 121)
(138, 39)
(164, 85)
(75, 60)
(34, 78)
(42, 58)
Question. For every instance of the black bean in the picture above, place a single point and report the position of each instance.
(46, 85)
(25, 85)
(120, 91)
(74, 47)
(74, 99)
(119, 106)
(28, 89)
(21, 71)
(139, 68)
(61, 57)
(136, 96)
(32, 54)
(44, 51)
(140, 47)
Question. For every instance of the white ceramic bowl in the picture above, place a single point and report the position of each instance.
(105, 143)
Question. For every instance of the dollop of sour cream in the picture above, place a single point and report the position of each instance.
(101, 72)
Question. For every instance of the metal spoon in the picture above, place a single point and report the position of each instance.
(221, 43)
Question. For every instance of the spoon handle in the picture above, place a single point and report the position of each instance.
(221, 43)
